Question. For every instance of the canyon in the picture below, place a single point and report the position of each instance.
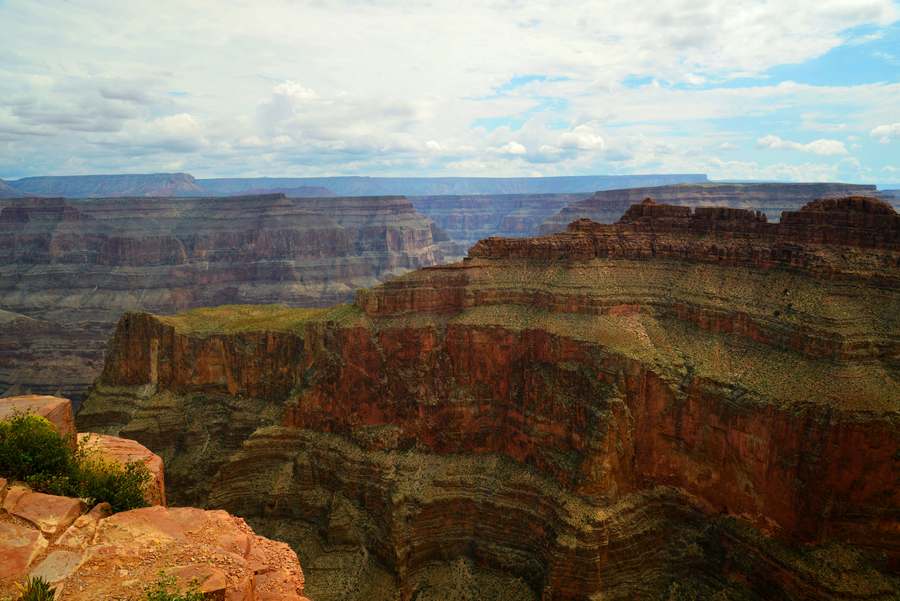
(70, 268)
(690, 403)
(468, 219)
(772, 199)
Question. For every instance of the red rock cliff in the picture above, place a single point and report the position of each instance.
(527, 410)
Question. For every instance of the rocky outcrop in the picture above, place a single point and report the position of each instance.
(69, 269)
(97, 186)
(770, 199)
(468, 219)
(688, 403)
(89, 555)
(94, 555)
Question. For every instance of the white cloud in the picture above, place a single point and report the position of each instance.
(342, 86)
(821, 147)
(512, 148)
(886, 133)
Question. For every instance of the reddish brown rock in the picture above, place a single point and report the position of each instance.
(57, 410)
(608, 206)
(686, 396)
(105, 557)
(51, 513)
(123, 451)
(19, 547)
(69, 269)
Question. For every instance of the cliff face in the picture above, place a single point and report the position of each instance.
(771, 199)
(688, 402)
(69, 269)
(468, 219)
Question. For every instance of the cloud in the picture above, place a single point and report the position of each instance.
(886, 133)
(261, 89)
(821, 147)
(512, 148)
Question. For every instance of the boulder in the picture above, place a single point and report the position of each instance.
(123, 451)
(57, 410)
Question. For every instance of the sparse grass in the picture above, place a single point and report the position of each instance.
(35, 589)
(166, 589)
(236, 319)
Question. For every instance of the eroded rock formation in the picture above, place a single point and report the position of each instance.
(771, 199)
(690, 403)
(69, 269)
(468, 219)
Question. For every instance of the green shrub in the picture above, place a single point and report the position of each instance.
(35, 589)
(32, 450)
(29, 445)
(166, 589)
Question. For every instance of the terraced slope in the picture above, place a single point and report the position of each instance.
(686, 404)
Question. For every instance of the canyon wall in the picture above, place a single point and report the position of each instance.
(772, 199)
(689, 403)
(468, 219)
(69, 269)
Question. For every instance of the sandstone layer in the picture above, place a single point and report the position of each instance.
(69, 269)
(468, 219)
(689, 403)
(771, 199)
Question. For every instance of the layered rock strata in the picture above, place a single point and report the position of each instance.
(69, 269)
(690, 403)
(468, 219)
(771, 199)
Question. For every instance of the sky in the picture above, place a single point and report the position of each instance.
(791, 90)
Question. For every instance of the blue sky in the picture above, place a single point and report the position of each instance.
(790, 90)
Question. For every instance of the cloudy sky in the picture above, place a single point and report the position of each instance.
(780, 89)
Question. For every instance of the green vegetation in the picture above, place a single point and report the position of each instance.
(29, 445)
(35, 589)
(32, 450)
(166, 589)
(235, 319)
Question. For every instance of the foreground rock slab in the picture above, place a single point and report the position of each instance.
(97, 556)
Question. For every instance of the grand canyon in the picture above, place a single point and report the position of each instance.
(309, 300)
(628, 410)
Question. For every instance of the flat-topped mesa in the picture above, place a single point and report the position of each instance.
(807, 239)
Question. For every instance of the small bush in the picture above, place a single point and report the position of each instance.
(32, 450)
(166, 589)
(29, 445)
(35, 589)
